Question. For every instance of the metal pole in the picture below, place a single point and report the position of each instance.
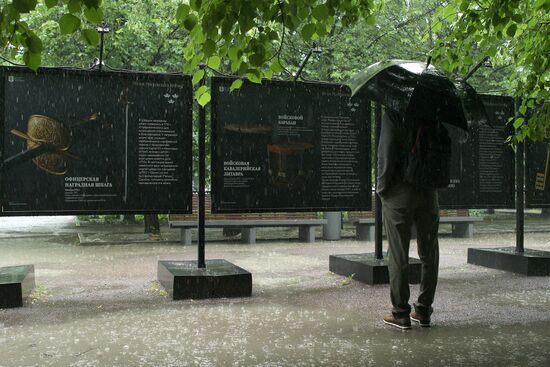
(312, 50)
(101, 50)
(520, 197)
(202, 176)
(102, 29)
(378, 204)
(303, 65)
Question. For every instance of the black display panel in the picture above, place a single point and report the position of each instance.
(482, 170)
(537, 172)
(289, 146)
(83, 142)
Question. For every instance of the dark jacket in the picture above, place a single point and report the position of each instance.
(392, 151)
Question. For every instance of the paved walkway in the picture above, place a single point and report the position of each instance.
(100, 305)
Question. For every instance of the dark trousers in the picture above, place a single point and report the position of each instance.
(401, 206)
(152, 224)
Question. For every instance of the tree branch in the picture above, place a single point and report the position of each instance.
(156, 56)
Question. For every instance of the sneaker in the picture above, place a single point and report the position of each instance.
(403, 323)
(154, 237)
(423, 321)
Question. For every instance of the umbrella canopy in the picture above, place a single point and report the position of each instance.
(416, 87)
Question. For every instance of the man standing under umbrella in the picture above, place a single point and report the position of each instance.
(407, 197)
(414, 155)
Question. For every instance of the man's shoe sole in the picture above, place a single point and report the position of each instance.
(420, 323)
(397, 325)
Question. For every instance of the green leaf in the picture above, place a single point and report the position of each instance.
(182, 12)
(214, 62)
(50, 3)
(90, 36)
(320, 30)
(517, 18)
(68, 24)
(233, 53)
(243, 68)
(303, 12)
(24, 6)
(308, 31)
(268, 73)
(92, 3)
(208, 47)
(236, 85)
(256, 60)
(34, 44)
(196, 4)
(254, 76)
(540, 3)
(197, 77)
(94, 15)
(447, 11)
(519, 121)
(202, 89)
(235, 65)
(320, 12)
(74, 6)
(190, 22)
(492, 51)
(32, 60)
(204, 99)
(276, 67)
(523, 109)
(511, 31)
(371, 20)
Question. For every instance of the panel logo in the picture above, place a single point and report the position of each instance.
(11, 78)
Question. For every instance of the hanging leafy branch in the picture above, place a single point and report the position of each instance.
(511, 32)
(16, 35)
(247, 35)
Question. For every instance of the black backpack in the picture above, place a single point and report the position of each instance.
(428, 164)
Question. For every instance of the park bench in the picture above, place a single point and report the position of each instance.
(246, 222)
(462, 224)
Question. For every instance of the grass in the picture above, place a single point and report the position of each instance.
(156, 288)
(348, 279)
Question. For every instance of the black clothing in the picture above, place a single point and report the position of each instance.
(393, 147)
(403, 205)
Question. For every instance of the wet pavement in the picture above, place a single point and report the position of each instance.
(99, 305)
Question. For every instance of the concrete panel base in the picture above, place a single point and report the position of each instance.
(220, 278)
(367, 269)
(16, 284)
(530, 262)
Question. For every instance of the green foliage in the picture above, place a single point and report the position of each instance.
(90, 36)
(68, 24)
(348, 279)
(17, 36)
(514, 33)
(157, 289)
(398, 33)
(40, 294)
(246, 36)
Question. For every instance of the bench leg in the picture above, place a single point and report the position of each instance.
(463, 230)
(306, 233)
(248, 235)
(186, 236)
(364, 232)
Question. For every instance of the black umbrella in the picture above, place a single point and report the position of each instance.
(417, 87)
